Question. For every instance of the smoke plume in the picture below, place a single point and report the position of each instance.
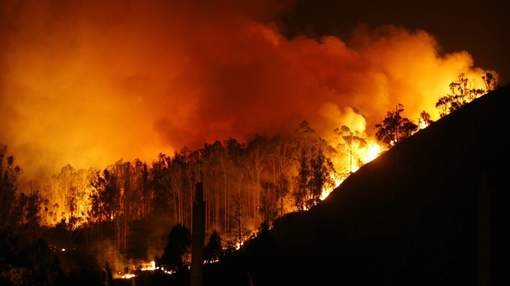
(90, 82)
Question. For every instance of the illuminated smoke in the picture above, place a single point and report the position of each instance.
(89, 82)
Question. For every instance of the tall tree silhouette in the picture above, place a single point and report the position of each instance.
(213, 248)
(348, 140)
(321, 168)
(106, 198)
(394, 127)
(9, 173)
(302, 181)
(425, 119)
(463, 91)
(269, 201)
(177, 244)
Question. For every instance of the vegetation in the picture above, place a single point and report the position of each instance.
(350, 139)
(213, 249)
(394, 127)
(127, 208)
(177, 246)
(462, 91)
(123, 211)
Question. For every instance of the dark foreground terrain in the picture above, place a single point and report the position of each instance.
(428, 212)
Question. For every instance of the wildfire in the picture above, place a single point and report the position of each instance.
(326, 191)
(127, 276)
(115, 85)
(88, 81)
(373, 151)
(168, 272)
(211, 261)
(422, 124)
(238, 245)
(150, 266)
(366, 154)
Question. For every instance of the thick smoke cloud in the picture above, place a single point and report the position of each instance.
(90, 82)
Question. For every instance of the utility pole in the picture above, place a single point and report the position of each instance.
(197, 236)
(484, 232)
(350, 153)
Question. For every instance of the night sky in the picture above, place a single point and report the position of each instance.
(480, 27)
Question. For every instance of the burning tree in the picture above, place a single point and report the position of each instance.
(237, 214)
(321, 168)
(18, 211)
(463, 91)
(491, 81)
(302, 182)
(424, 120)
(160, 183)
(314, 174)
(106, 198)
(269, 201)
(350, 140)
(394, 127)
(273, 195)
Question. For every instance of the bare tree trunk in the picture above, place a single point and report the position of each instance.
(217, 207)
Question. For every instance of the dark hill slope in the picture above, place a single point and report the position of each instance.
(424, 213)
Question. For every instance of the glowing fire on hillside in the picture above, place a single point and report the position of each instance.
(142, 266)
(87, 94)
(366, 155)
(354, 148)
(358, 154)
(151, 267)
(326, 81)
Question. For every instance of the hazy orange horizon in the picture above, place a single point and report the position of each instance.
(90, 82)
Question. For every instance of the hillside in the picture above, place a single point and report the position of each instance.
(424, 213)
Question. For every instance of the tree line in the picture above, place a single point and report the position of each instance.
(247, 183)
(395, 127)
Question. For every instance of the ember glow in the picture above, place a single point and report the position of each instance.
(367, 153)
(127, 276)
(143, 266)
(150, 266)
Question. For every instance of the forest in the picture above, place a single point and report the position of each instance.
(133, 212)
